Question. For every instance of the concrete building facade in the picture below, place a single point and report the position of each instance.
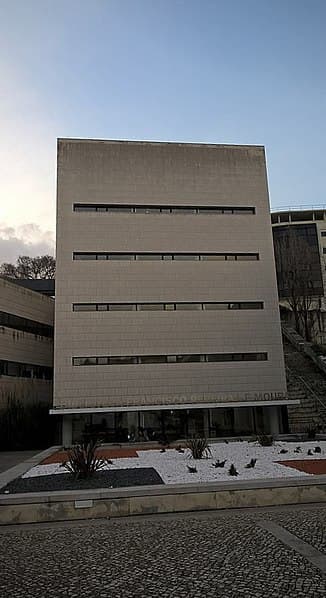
(26, 344)
(167, 318)
(305, 229)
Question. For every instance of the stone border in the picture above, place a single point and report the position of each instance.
(18, 470)
(147, 500)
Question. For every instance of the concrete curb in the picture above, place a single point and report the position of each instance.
(124, 502)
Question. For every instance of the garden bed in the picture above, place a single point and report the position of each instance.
(172, 466)
(117, 478)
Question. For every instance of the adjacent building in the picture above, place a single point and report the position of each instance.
(26, 344)
(167, 318)
(300, 251)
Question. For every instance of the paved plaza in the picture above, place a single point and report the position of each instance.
(277, 553)
(11, 458)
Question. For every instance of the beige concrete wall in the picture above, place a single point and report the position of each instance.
(22, 302)
(173, 174)
(25, 390)
(24, 347)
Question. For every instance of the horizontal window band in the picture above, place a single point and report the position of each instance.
(17, 369)
(182, 306)
(167, 359)
(25, 325)
(146, 256)
(162, 209)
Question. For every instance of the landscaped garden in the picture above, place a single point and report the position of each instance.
(196, 461)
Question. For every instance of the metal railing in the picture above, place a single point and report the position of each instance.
(307, 386)
(302, 207)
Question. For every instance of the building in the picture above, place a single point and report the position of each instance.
(167, 319)
(26, 344)
(300, 245)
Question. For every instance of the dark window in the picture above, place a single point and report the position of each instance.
(285, 217)
(119, 209)
(185, 256)
(216, 306)
(147, 210)
(188, 358)
(251, 305)
(25, 325)
(167, 306)
(102, 307)
(247, 256)
(159, 256)
(25, 370)
(171, 358)
(102, 361)
(150, 306)
(122, 307)
(323, 233)
(84, 208)
(151, 209)
(217, 257)
(84, 256)
(152, 359)
(186, 306)
(148, 256)
(84, 307)
(305, 235)
(121, 256)
(301, 216)
(156, 359)
(122, 360)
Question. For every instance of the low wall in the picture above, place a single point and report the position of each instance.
(124, 502)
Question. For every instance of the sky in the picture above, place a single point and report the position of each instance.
(216, 71)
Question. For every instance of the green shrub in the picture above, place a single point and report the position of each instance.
(199, 448)
(83, 461)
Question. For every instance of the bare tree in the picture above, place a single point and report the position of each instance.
(42, 266)
(297, 280)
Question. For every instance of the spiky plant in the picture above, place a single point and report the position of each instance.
(83, 460)
(251, 464)
(232, 470)
(199, 448)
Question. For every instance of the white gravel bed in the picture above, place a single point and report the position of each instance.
(172, 466)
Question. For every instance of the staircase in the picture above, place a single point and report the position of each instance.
(306, 383)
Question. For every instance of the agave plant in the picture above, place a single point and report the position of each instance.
(199, 448)
(83, 460)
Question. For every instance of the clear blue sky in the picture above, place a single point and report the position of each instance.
(222, 71)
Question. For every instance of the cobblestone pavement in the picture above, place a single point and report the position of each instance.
(308, 525)
(198, 556)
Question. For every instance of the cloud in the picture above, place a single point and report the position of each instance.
(26, 239)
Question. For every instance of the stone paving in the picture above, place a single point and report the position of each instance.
(225, 555)
(11, 458)
(308, 525)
